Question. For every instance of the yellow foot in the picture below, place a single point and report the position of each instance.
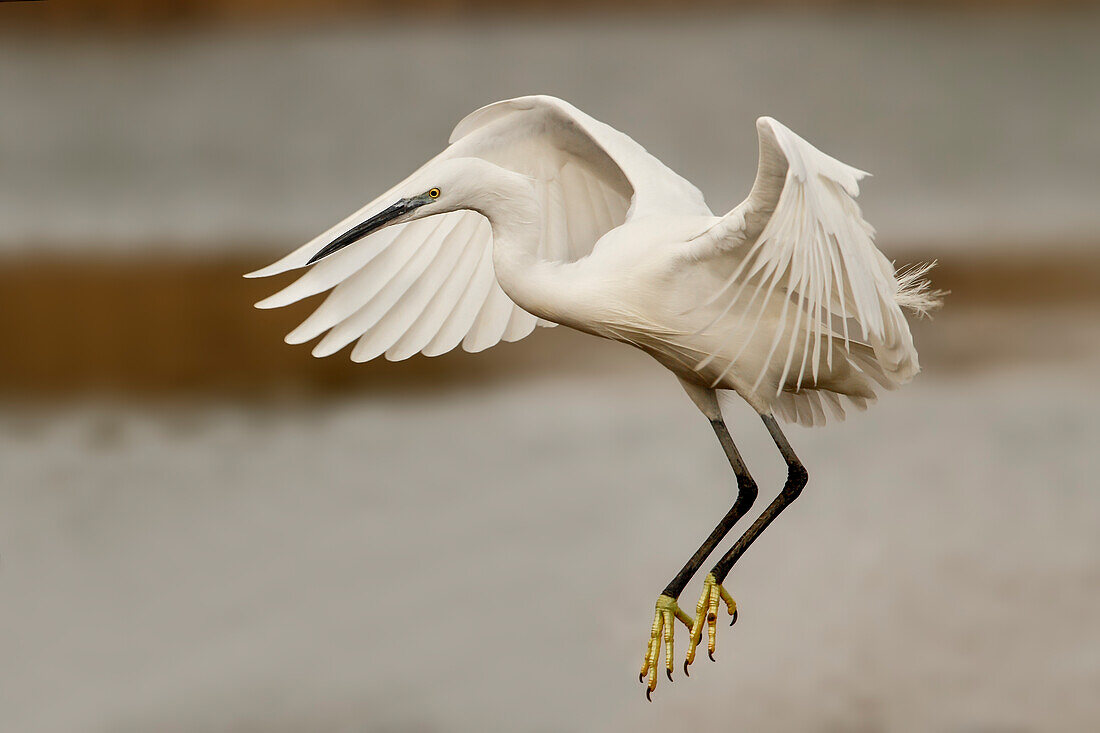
(707, 609)
(663, 621)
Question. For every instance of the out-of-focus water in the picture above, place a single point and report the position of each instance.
(978, 127)
(488, 560)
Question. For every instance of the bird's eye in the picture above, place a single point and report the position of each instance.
(434, 193)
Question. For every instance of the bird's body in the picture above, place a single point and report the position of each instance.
(641, 286)
(537, 214)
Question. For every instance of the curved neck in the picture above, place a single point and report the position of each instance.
(533, 283)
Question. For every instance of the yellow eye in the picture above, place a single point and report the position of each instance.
(434, 193)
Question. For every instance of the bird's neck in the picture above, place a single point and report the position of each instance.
(537, 285)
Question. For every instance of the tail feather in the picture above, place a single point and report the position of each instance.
(915, 290)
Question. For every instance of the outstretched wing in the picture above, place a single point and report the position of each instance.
(428, 285)
(800, 231)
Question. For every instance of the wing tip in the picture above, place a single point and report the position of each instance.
(431, 351)
(294, 338)
(477, 345)
(273, 269)
(327, 347)
(404, 355)
(360, 356)
(270, 302)
(766, 125)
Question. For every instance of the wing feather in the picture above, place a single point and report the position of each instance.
(800, 232)
(399, 318)
(520, 325)
(333, 270)
(491, 321)
(428, 285)
(362, 284)
(384, 297)
(461, 319)
(442, 303)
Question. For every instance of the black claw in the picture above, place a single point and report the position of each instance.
(669, 673)
(711, 655)
(686, 673)
(648, 694)
(641, 677)
(734, 619)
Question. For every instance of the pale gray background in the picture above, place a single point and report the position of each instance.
(977, 126)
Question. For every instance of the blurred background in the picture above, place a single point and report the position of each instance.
(203, 529)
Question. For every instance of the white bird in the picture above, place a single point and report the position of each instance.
(537, 214)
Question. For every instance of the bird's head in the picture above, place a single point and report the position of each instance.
(440, 186)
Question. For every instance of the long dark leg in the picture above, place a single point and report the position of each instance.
(796, 480)
(746, 495)
(667, 609)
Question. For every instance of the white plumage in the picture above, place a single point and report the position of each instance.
(537, 214)
(548, 216)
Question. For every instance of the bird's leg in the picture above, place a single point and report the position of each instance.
(667, 609)
(707, 607)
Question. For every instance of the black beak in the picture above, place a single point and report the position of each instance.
(372, 224)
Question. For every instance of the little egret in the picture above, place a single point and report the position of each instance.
(537, 214)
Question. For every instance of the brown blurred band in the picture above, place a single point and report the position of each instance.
(74, 324)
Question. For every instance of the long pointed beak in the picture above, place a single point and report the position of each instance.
(359, 231)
